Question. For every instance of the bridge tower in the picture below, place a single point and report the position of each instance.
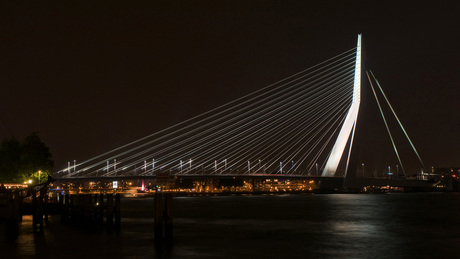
(348, 128)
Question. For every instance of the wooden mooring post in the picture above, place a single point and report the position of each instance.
(100, 209)
(37, 211)
(109, 217)
(12, 216)
(163, 221)
(45, 197)
(117, 210)
(168, 218)
(89, 210)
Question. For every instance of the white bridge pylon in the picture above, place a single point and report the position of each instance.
(348, 127)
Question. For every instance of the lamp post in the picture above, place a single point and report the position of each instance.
(39, 174)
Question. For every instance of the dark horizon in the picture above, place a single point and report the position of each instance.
(90, 77)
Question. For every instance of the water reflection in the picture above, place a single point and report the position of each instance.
(296, 226)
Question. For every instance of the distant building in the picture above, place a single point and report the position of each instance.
(449, 176)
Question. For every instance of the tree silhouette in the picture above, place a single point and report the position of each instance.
(22, 161)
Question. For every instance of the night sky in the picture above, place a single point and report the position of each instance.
(92, 75)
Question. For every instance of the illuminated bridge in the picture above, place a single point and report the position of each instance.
(300, 127)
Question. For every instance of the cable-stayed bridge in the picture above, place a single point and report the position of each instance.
(301, 126)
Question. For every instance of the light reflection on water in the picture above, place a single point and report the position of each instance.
(414, 225)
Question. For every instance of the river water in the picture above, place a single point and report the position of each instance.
(393, 225)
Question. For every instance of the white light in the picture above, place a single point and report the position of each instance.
(350, 121)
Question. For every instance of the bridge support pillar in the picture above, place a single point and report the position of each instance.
(330, 185)
(349, 125)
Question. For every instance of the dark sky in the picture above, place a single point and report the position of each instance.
(92, 75)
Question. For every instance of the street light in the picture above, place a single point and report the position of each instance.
(39, 174)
